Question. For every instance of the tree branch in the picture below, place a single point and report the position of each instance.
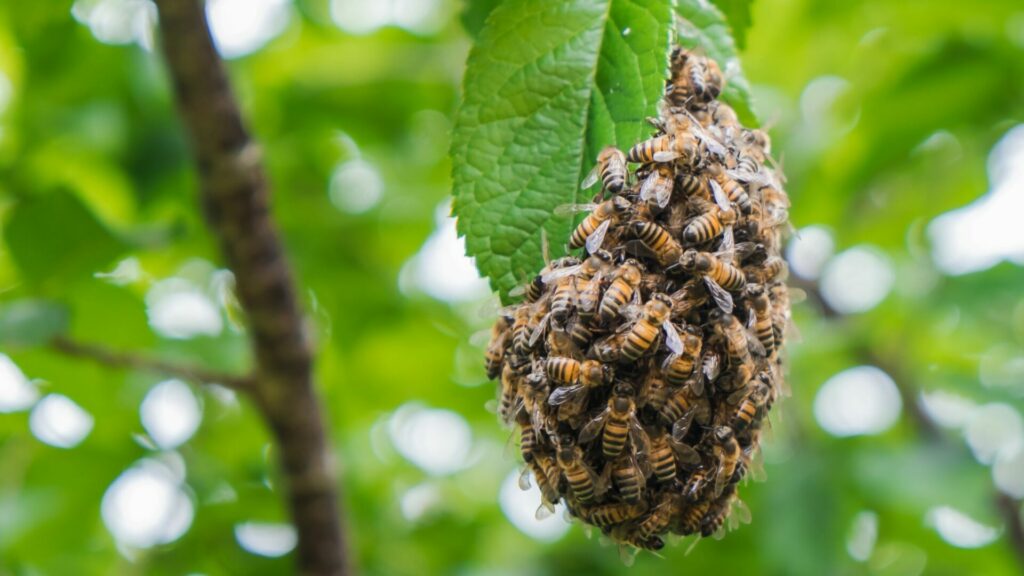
(235, 199)
(117, 359)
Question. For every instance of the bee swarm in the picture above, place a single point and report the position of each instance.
(640, 373)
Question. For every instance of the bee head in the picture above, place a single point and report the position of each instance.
(688, 261)
(620, 205)
(601, 258)
(723, 433)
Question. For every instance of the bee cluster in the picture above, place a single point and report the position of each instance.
(640, 373)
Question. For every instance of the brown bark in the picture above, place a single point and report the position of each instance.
(235, 199)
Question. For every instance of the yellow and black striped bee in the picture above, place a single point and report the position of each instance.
(658, 520)
(592, 230)
(772, 269)
(681, 409)
(719, 276)
(611, 168)
(666, 248)
(729, 507)
(733, 189)
(532, 290)
(679, 367)
(628, 477)
(546, 473)
(618, 423)
(710, 224)
(607, 515)
(562, 370)
(654, 319)
(696, 485)
(739, 342)
(511, 376)
(680, 145)
(521, 330)
(667, 453)
(571, 399)
(750, 408)
(621, 291)
(694, 77)
(762, 308)
(727, 451)
(689, 520)
(501, 334)
(578, 474)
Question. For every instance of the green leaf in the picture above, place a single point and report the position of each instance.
(32, 322)
(700, 25)
(546, 86)
(54, 238)
(475, 13)
(737, 12)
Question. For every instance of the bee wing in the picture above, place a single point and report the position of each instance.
(647, 188)
(727, 248)
(720, 198)
(595, 240)
(720, 295)
(517, 291)
(640, 439)
(560, 273)
(570, 209)
(738, 396)
(565, 394)
(594, 427)
(682, 426)
(672, 339)
(524, 478)
(696, 384)
(740, 512)
(545, 510)
(591, 178)
(539, 331)
(666, 156)
(754, 343)
(711, 366)
(685, 453)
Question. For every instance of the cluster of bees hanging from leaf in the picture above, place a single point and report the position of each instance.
(640, 373)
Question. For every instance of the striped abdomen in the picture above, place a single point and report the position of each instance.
(614, 439)
(562, 300)
(580, 481)
(611, 514)
(693, 185)
(644, 152)
(615, 297)
(727, 276)
(581, 334)
(527, 442)
(628, 479)
(675, 408)
(563, 370)
(679, 369)
(689, 521)
(585, 229)
(662, 460)
(703, 228)
(736, 193)
(658, 240)
(639, 340)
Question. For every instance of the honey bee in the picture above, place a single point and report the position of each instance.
(592, 230)
(695, 486)
(607, 515)
(679, 367)
(666, 248)
(719, 276)
(570, 281)
(733, 189)
(762, 315)
(690, 297)
(521, 331)
(772, 269)
(695, 186)
(681, 409)
(495, 353)
(533, 290)
(581, 334)
(750, 409)
(511, 375)
(739, 342)
(562, 370)
(621, 291)
(618, 422)
(666, 452)
(654, 392)
(658, 185)
(527, 439)
(727, 451)
(659, 519)
(654, 319)
(546, 473)
(681, 145)
(592, 374)
(533, 391)
(689, 521)
(628, 477)
(607, 348)
(611, 168)
(710, 224)
(727, 507)
(580, 477)
(705, 77)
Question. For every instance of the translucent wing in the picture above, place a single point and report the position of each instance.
(672, 340)
(663, 194)
(565, 394)
(685, 453)
(727, 248)
(593, 428)
(517, 291)
(754, 344)
(560, 273)
(595, 240)
(741, 512)
(721, 297)
(665, 156)
(570, 209)
(640, 439)
(591, 178)
(682, 426)
(711, 367)
(720, 198)
(545, 510)
(647, 188)
(524, 479)
(738, 396)
(539, 330)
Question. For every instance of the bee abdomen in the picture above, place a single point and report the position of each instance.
(637, 342)
(702, 229)
(614, 439)
(563, 370)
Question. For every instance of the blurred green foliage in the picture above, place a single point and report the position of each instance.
(94, 170)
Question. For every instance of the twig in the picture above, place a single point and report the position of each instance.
(235, 198)
(118, 359)
(1010, 509)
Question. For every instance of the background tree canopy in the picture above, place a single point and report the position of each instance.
(900, 451)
